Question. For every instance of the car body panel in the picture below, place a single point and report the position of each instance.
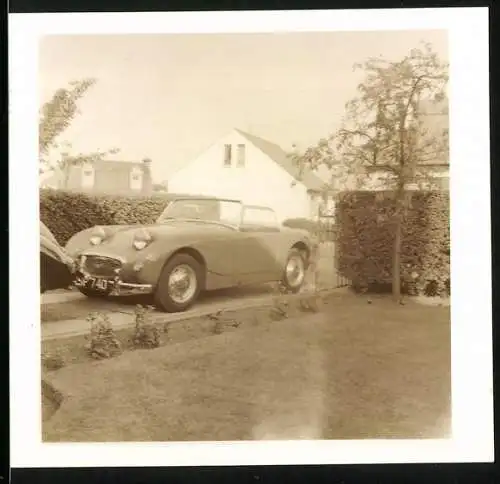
(232, 256)
(56, 266)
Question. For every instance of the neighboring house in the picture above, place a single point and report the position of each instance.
(435, 118)
(51, 179)
(245, 167)
(104, 176)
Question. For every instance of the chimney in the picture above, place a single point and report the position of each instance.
(147, 180)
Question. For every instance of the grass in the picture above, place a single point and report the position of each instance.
(354, 370)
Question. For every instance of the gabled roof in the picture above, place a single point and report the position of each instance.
(279, 156)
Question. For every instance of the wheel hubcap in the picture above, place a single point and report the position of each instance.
(295, 271)
(182, 284)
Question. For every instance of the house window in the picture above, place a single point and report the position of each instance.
(241, 155)
(88, 176)
(227, 155)
(135, 179)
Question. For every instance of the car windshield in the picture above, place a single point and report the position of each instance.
(210, 210)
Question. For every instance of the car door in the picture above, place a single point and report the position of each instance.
(259, 261)
(254, 260)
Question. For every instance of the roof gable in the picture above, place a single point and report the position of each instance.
(280, 157)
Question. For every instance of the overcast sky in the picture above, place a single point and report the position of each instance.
(168, 97)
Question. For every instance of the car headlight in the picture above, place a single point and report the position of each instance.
(95, 240)
(140, 244)
(141, 239)
(97, 236)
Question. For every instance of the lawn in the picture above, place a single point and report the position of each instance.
(354, 370)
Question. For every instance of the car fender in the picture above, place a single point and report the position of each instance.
(152, 262)
(285, 240)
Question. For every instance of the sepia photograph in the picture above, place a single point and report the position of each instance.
(245, 236)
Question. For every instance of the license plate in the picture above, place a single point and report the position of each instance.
(101, 284)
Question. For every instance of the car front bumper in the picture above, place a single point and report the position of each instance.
(114, 287)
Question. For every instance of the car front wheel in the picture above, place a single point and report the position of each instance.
(295, 271)
(179, 284)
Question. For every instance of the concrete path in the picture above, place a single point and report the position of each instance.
(122, 315)
(123, 319)
(60, 297)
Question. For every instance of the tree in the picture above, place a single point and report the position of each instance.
(384, 127)
(56, 115)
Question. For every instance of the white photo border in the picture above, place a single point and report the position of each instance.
(472, 378)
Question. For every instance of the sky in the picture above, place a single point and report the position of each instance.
(169, 97)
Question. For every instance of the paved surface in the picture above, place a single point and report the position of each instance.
(60, 296)
(121, 312)
(124, 319)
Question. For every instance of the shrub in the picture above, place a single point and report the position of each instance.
(366, 237)
(67, 213)
(146, 334)
(103, 342)
(52, 361)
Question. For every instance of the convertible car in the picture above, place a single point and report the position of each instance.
(56, 266)
(195, 245)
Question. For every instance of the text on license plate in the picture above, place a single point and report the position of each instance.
(101, 284)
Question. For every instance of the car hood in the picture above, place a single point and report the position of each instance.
(119, 238)
(166, 229)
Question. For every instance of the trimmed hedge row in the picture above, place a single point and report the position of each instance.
(67, 213)
(365, 240)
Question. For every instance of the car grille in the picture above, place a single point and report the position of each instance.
(101, 266)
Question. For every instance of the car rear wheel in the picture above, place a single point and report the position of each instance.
(295, 271)
(179, 284)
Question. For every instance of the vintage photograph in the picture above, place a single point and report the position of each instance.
(245, 236)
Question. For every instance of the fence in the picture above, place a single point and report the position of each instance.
(327, 275)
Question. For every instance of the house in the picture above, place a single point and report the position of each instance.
(436, 168)
(103, 176)
(51, 179)
(251, 169)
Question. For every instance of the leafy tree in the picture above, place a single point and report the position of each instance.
(385, 127)
(56, 115)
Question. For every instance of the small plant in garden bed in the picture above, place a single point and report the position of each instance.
(147, 334)
(52, 361)
(279, 309)
(103, 342)
(221, 322)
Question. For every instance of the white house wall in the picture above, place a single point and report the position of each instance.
(260, 182)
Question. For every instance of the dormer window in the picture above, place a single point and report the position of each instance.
(227, 155)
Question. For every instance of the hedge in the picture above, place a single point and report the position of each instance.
(365, 240)
(66, 213)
